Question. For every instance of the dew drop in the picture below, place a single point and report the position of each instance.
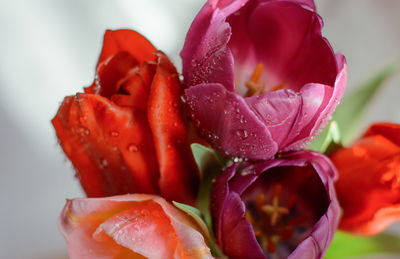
(83, 118)
(133, 148)
(183, 99)
(243, 134)
(145, 212)
(114, 133)
(103, 162)
(237, 159)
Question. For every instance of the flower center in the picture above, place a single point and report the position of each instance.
(255, 86)
(271, 220)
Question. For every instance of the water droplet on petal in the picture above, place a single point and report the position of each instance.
(243, 134)
(133, 148)
(183, 99)
(237, 159)
(114, 133)
(103, 163)
(83, 118)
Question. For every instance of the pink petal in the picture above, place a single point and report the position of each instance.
(287, 39)
(130, 226)
(231, 125)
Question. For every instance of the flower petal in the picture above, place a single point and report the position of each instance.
(126, 40)
(279, 111)
(130, 225)
(231, 40)
(205, 56)
(109, 146)
(278, 31)
(133, 90)
(109, 73)
(388, 130)
(304, 173)
(239, 241)
(179, 175)
(373, 165)
(228, 123)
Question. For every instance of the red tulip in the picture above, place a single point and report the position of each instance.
(130, 226)
(369, 180)
(127, 133)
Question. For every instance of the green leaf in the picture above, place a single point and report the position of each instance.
(210, 166)
(351, 246)
(329, 140)
(196, 215)
(349, 113)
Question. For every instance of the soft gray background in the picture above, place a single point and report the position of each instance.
(49, 49)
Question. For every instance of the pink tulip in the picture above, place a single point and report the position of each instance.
(259, 76)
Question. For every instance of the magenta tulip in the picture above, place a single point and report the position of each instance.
(259, 76)
(280, 208)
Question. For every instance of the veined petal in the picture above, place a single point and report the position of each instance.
(170, 132)
(372, 164)
(128, 132)
(242, 191)
(130, 226)
(127, 40)
(253, 48)
(224, 115)
(108, 146)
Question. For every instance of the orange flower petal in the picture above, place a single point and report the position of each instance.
(109, 73)
(369, 181)
(179, 174)
(128, 133)
(110, 147)
(134, 89)
(130, 226)
(127, 40)
(390, 131)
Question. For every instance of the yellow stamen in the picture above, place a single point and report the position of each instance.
(275, 210)
(255, 77)
(254, 85)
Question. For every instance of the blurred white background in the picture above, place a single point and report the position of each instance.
(49, 49)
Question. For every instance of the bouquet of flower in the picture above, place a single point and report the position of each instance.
(222, 160)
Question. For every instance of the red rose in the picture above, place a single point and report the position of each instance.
(127, 133)
(368, 188)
